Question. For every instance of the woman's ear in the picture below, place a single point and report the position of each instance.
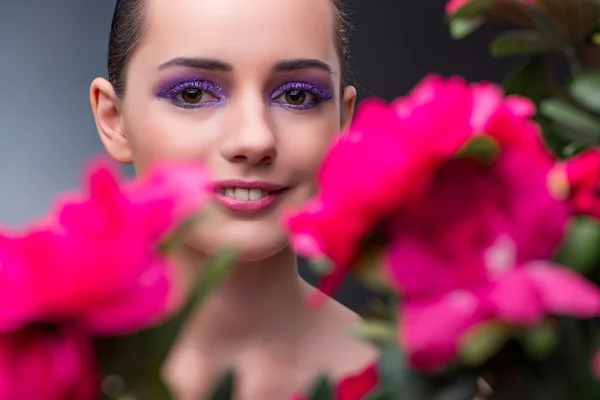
(109, 120)
(347, 106)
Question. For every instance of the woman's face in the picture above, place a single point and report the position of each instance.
(249, 88)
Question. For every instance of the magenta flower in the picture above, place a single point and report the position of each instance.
(467, 249)
(577, 180)
(465, 209)
(400, 146)
(48, 363)
(376, 166)
(97, 262)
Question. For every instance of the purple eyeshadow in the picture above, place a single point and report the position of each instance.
(172, 89)
(321, 92)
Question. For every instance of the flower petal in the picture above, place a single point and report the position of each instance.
(431, 330)
(563, 291)
(514, 299)
(142, 305)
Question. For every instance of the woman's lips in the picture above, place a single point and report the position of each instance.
(243, 196)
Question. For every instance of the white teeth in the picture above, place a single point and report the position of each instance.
(255, 194)
(241, 194)
(245, 194)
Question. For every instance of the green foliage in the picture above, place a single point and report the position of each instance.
(322, 389)
(224, 389)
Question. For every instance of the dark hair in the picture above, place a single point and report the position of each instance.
(128, 27)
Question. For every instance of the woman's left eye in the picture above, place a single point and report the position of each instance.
(300, 95)
(297, 98)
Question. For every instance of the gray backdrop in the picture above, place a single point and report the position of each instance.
(51, 50)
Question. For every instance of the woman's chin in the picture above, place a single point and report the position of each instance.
(249, 245)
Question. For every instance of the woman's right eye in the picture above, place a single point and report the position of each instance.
(194, 94)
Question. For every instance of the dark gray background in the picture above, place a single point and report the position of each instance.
(51, 50)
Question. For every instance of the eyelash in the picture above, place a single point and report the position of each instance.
(205, 86)
(320, 94)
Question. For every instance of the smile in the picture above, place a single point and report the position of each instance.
(242, 194)
(248, 196)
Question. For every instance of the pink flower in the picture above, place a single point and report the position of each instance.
(465, 208)
(97, 261)
(45, 363)
(400, 146)
(387, 157)
(578, 180)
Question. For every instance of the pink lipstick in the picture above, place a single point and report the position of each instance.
(247, 197)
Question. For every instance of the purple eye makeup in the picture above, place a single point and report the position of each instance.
(300, 95)
(192, 93)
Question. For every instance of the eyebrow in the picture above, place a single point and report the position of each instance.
(299, 64)
(198, 63)
(217, 65)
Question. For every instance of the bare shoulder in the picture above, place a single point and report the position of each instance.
(343, 353)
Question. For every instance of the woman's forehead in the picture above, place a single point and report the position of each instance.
(240, 31)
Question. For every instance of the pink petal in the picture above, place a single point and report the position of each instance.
(563, 291)
(514, 299)
(143, 305)
(431, 330)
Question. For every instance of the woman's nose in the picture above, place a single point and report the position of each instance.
(251, 138)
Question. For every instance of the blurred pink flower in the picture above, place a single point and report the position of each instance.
(48, 363)
(467, 250)
(388, 156)
(465, 207)
(578, 180)
(400, 146)
(97, 261)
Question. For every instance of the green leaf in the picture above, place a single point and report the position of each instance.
(224, 389)
(483, 342)
(484, 149)
(462, 27)
(381, 331)
(585, 90)
(322, 389)
(321, 266)
(574, 136)
(395, 377)
(581, 247)
(570, 116)
(540, 341)
(381, 395)
(520, 42)
(544, 22)
(534, 79)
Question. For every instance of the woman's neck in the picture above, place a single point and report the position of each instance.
(260, 304)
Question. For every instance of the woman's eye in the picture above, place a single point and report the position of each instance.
(196, 96)
(297, 98)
